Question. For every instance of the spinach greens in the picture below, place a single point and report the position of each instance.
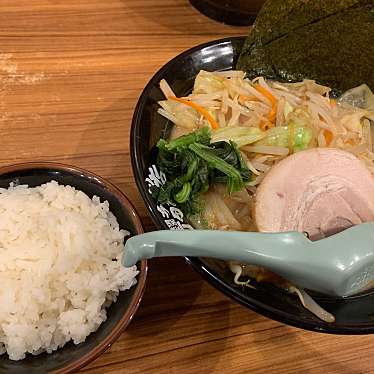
(191, 164)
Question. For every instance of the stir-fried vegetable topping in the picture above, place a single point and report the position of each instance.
(271, 98)
(192, 163)
(295, 137)
(198, 108)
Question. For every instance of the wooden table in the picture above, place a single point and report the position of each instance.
(70, 74)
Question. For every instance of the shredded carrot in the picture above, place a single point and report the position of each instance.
(263, 91)
(198, 108)
(328, 136)
(332, 102)
(265, 125)
(244, 98)
(350, 142)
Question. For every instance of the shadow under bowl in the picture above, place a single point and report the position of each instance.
(73, 357)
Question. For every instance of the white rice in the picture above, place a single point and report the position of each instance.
(60, 267)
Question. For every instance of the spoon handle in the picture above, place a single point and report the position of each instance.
(263, 249)
(340, 265)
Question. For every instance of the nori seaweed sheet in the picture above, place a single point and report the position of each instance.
(279, 17)
(331, 41)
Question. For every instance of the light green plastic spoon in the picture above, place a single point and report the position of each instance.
(340, 265)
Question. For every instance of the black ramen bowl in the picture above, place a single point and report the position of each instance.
(354, 315)
(72, 357)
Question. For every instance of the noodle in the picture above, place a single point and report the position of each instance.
(278, 151)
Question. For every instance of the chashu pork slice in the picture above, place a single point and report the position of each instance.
(320, 191)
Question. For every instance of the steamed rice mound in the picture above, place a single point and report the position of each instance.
(59, 267)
